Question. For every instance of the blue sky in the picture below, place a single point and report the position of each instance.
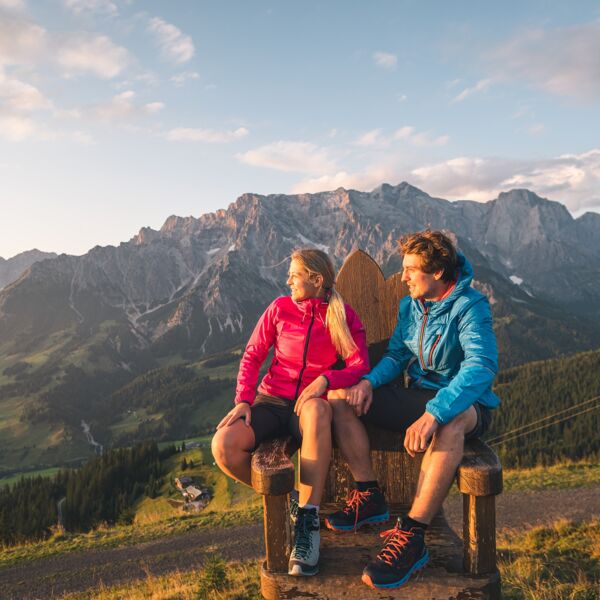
(115, 114)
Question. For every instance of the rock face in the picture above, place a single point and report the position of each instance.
(11, 269)
(196, 286)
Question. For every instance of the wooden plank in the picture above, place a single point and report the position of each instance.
(344, 555)
(480, 472)
(479, 534)
(277, 532)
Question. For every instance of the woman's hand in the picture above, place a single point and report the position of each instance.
(314, 390)
(239, 411)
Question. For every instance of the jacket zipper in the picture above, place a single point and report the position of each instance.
(437, 339)
(312, 320)
(421, 357)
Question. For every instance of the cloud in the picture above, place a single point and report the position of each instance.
(480, 86)
(212, 136)
(16, 128)
(91, 53)
(15, 5)
(105, 7)
(301, 157)
(17, 95)
(370, 138)
(385, 60)
(367, 179)
(563, 61)
(573, 179)
(123, 106)
(181, 78)
(174, 44)
(21, 42)
(422, 138)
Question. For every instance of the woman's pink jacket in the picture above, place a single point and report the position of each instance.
(303, 351)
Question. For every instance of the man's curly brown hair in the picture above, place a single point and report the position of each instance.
(437, 252)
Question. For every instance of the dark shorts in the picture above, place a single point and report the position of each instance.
(396, 408)
(273, 417)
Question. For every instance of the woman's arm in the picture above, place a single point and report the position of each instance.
(257, 348)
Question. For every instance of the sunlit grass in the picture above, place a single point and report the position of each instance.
(561, 562)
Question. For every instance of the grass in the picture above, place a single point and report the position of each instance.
(217, 580)
(35, 473)
(561, 562)
(565, 475)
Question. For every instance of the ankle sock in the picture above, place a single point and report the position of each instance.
(363, 486)
(408, 523)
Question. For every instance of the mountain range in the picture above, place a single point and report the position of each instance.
(196, 286)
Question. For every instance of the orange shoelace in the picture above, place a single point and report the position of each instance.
(396, 540)
(353, 503)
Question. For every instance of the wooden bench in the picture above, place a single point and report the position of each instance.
(456, 569)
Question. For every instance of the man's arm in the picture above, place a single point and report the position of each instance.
(478, 368)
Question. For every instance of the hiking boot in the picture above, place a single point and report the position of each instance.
(361, 509)
(403, 554)
(294, 499)
(304, 557)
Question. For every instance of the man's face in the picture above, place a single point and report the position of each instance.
(420, 284)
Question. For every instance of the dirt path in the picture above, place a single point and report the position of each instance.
(78, 571)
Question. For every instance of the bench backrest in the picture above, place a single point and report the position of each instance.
(375, 299)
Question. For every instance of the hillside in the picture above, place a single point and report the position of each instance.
(552, 409)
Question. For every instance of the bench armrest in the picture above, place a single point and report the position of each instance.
(272, 469)
(480, 472)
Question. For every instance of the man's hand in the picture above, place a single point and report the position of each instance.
(313, 390)
(360, 397)
(419, 433)
(239, 411)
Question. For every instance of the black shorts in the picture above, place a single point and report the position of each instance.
(273, 417)
(396, 408)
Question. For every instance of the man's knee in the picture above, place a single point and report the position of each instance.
(341, 410)
(460, 425)
(315, 410)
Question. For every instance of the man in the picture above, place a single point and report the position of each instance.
(445, 341)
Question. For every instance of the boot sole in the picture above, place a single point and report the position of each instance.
(298, 571)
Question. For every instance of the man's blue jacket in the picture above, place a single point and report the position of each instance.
(449, 346)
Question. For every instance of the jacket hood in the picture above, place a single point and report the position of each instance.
(465, 277)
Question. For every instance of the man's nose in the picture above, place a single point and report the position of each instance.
(404, 276)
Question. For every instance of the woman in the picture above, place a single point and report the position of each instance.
(309, 331)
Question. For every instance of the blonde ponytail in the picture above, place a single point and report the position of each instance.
(338, 325)
(316, 262)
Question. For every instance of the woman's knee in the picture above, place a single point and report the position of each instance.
(226, 443)
(316, 410)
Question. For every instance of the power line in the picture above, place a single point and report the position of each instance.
(545, 425)
(560, 412)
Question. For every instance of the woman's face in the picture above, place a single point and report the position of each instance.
(301, 286)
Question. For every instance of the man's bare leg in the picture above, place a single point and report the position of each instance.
(439, 466)
(352, 440)
(232, 449)
(315, 425)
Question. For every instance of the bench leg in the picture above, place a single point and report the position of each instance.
(277, 532)
(479, 534)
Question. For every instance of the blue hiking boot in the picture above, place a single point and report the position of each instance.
(362, 508)
(403, 554)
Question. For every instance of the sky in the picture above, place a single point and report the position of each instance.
(116, 114)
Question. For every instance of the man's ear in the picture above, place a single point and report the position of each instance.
(438, 274)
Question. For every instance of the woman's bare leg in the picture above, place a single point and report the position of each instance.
(315, 425)
(232, 447)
